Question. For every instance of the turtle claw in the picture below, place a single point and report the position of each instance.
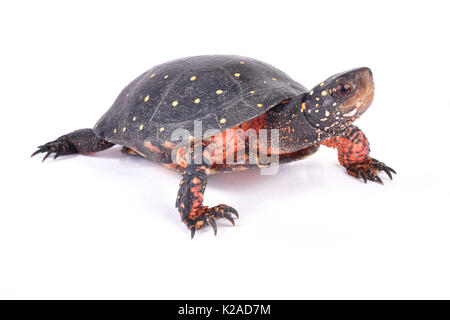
(233, 211)
(229, 218)
(386, 170)
(208, 216)
(213, 224)
(58, 147)
(37, 151)
(47, 155)
(377, 179)
(369, 170)
(363, 176)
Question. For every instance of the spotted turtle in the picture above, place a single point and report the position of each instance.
(185, 114)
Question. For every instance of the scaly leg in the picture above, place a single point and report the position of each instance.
(353, 153)
(190, 201)
(79, 141)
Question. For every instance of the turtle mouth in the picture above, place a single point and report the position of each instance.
(363, 97)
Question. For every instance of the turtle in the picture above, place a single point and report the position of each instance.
(189, 115)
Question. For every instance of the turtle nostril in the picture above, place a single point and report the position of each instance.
(365, 73)
(369, 73)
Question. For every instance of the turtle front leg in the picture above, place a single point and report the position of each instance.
(190, 201)
(80, 141)
(353, 153)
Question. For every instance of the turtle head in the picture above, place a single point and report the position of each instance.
(338, 101)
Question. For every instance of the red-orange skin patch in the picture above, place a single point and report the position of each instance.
(131, 152)
(233, 141)
(151, 147)
(168, 145)
(197, 201)
(352, 148)
(230, 141)
(255, 123)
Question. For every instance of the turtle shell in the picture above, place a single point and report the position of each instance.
(220, 91)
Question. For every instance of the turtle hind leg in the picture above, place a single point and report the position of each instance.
(80, 141)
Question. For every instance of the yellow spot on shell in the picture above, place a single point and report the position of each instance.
(237, 75)
(324, 93)
(115, 130)
(242, 62)
(124, 129)
(274, 79)
(223, 120)
(259, 105)
(219, 91)
(175, 103)
(161, 129)
(303, 106)
(146, 98)
(197, 100)
(252, 92)
(134, 119)
(322, 84)
(166, 76)
(141, 127)
(193, 78)
(152, 75)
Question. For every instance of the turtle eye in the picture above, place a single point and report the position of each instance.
(344, 90)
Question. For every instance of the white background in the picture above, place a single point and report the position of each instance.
(105, 226)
